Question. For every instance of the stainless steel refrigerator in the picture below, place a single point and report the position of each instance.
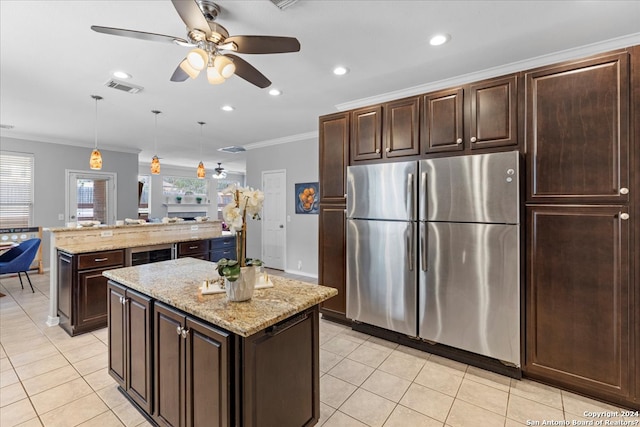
(381, 245)
(469, 269)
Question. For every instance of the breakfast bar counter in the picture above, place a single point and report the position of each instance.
(183, 358)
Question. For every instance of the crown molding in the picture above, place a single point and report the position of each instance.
(283, 140)
(102, 147)
(539, 61)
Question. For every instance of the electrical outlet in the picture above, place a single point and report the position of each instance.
(106, 233)
(299, 265)
(194, 228)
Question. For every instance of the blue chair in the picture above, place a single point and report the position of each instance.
(19, 258)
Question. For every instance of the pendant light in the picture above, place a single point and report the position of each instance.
(95, 162)
(201, 172)
(155, 161)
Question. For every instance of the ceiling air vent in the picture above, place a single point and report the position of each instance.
(125, 87)
(232, 149)
(283, 4)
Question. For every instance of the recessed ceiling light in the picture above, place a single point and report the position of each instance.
(340, 70)
(439, 39)
(121, 75)
(228, 108)
(275, 92)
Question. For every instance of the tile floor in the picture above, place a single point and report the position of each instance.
(48, 378)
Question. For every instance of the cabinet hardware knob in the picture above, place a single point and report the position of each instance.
(345, 195)
(123, 301)
(624, 216)
(377, 151)
(473, 139)
(387, 149)
(459, 141)
(120, 299)
(184, 333)
(179, 330)
(100, 259)
(624, 190)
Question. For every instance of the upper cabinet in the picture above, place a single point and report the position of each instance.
(401, 127)
(577, 136)
(366, 133)
(334, 157)
(442, 121)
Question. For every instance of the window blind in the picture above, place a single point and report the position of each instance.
(16, 189)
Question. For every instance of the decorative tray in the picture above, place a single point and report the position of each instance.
(214, 286)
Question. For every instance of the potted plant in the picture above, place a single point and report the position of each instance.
(198, 200)
(178, 199)
(240, 275)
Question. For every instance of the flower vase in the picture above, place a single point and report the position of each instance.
(242, 288)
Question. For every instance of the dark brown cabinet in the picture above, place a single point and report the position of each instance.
(195, 249)
(130, 345)
(334, 159)
(82, 290)
(442, 122)
(192, 371)
(366, 133)
(578, 298)
(401, 128)
(578, 131)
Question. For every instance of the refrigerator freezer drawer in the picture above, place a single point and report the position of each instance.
(381, 274)
(470, 288)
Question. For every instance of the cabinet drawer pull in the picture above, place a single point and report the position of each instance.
(624, 216)
(123, 300)
(100, 259)
(277, 329)
(193, 247)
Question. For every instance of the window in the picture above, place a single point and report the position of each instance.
(144, 183)
(16, 189)
(173, 186)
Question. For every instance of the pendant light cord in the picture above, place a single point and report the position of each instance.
(97, 98)
(155, 131)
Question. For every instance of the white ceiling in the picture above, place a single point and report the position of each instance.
(51, 62)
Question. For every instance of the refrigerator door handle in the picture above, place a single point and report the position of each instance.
(410, 251)
(423, 246)
(423, 195)
(410, 195)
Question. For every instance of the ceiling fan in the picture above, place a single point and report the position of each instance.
(220, 172)
(212, 45)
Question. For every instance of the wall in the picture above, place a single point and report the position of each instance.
(51, 161)
(300, 160)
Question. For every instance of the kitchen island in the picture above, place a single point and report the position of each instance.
(189, 359)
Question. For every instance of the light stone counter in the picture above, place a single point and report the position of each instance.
(176, 283)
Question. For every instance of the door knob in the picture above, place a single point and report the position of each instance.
(281, 226)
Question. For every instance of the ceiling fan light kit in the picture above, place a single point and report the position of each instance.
(213, 43)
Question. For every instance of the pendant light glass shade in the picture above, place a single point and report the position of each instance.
(155, 161)
(155, 166)
(225, 66)
(95, 161)
(198, 58)
(201, 172)
(192, 72)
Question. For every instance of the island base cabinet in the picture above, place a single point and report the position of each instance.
(130, 343)
(280, 383)
(191, 371)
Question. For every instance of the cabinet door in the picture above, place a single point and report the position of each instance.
(442, 121)
(168, 366)
(401, 131)
(117, 334)
(366, 133)
(195, 249)
(578, 131)
(334, 157)
(91, 301)
(207, 376)
(578, 298)
(65, 285)
(332, 262)
(139, 349)
(493, 113)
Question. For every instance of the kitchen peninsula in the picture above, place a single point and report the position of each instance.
(182, 357)
(78, 256)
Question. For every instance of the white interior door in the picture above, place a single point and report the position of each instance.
(91, 197)
(274, 218)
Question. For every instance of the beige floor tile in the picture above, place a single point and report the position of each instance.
(106, 419)
(102, 334)
(33, 422)
(328, 360)
(16, 413)
(81, 353)
(405, 417)
(5, 364)
(452, 366)
(402, 350)
(8, 377)
(537, 392)
(99, 379)
(355, 336)
(3, 354)
(326, 336)
(402, 365)
(334, 391)
(112, 396)
(351, 371)
(66, 343)
(523, 410)
(60, 395)
(375, 342)
(370, 356)
(325, 413)
(386, 385)
(368, 408)
(41, 366)
(75, 413)
(49, 380)
(340, 346)
(439, 378)
(11, 394)
(464, 414)
(128, 414)
(577, 405)
(339, 419)
(484, 396)
(35, 354)
(491, 379)
(428, 402)
(512, 423)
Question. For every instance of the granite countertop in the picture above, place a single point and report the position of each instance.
(125, 226)
(176, 283)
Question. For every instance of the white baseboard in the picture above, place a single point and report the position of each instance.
(301, 273)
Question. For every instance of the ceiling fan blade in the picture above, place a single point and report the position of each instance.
(179, 75)
(249, 72)
(191, 14)
(264, 44)
(138, 34)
